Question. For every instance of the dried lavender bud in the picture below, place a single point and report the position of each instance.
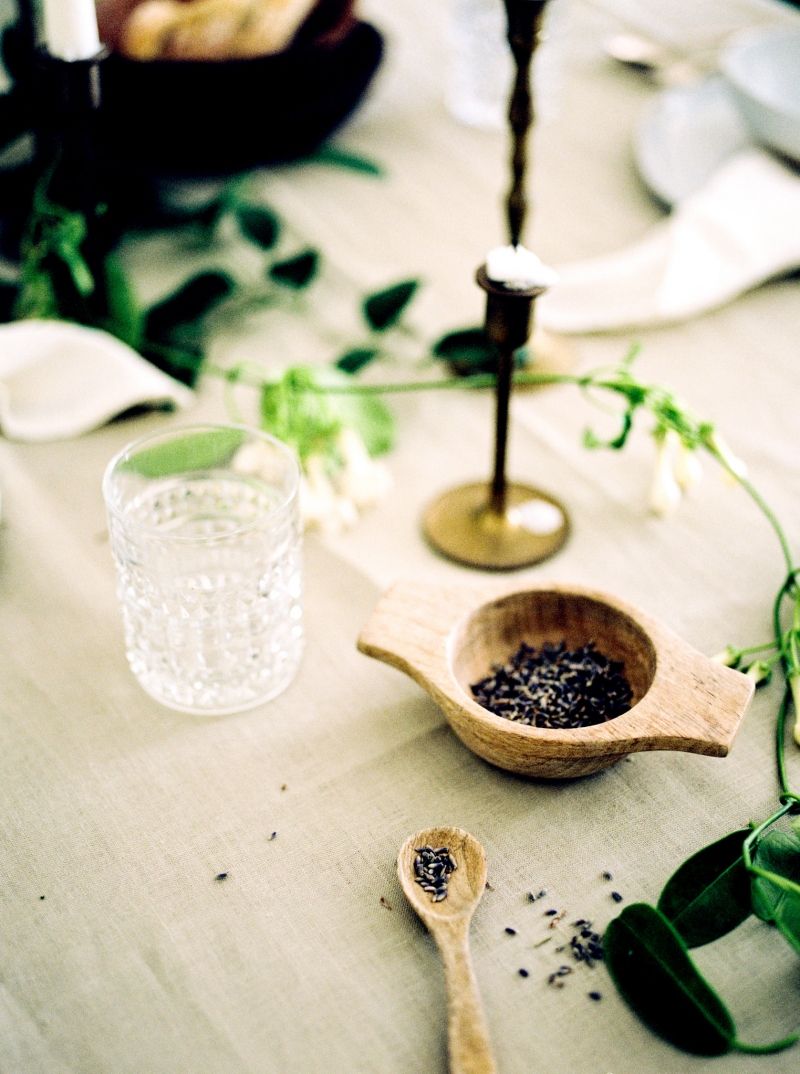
(556, 687)
(432, 869)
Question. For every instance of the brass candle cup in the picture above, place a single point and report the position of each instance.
(448, 637)
(500, 525)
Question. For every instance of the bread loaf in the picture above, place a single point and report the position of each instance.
(211, 29)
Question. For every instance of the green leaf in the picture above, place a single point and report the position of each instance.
(384, 308)
(15, 52)
(709, 895)
(193, 451)
(353, 361)
(616, 443)
(206, 216)
(466, 351)
(655, 975)
(296, 272)
(296, 413)
(36, 296)
(367, 414)
(259, 224)
(343, 158)
(8, 298)
(309, 419)
(778, 854)
(125, 319)
(370, 417)
(188, 304)
(13, 120)
(182, 361)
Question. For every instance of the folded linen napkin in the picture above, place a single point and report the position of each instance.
(59, 380)
(740, 229)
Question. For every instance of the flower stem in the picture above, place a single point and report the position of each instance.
(769, 514)
(765, 1049)
(755, 835)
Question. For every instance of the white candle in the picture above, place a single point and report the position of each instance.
(70, 29)
(518, 268)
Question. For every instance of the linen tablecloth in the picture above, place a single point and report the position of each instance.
(122, 951)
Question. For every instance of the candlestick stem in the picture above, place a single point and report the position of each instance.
(507, 326)
(69, 158)
(505, 365)
(26, 27)
(524, 24)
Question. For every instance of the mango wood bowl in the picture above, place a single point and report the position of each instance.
(448, 637)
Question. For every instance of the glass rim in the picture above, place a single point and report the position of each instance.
(285, 500)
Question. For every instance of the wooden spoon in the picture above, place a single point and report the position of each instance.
(448, 922)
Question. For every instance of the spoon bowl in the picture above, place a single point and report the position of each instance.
(466, 882)
(448, 922)
(447, 638)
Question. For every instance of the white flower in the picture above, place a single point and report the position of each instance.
(729, 657)
(732, 463)
(321, 505)
(361, 479)
(686, 465)
(257, 460)
(665, 492)
(677, 471)
(336, 483)
(760, 672)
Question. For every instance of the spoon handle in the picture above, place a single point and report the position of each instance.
(468, 1044)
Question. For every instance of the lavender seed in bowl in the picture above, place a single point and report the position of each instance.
(556, 687)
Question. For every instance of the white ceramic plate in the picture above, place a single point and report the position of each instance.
(763, 69)
(685, 134)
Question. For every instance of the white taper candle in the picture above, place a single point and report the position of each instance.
(70, 29)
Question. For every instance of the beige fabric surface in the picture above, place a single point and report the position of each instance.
(306, 960)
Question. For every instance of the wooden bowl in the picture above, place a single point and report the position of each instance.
(202, 118)
(448, 637)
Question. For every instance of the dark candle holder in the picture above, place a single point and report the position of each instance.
(506, 525)
(70, 164)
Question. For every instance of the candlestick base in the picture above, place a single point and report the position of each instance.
(463, 526)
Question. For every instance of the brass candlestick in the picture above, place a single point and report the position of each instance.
(508, 525)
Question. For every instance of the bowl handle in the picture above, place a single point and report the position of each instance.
(410, 624)
(695, 704)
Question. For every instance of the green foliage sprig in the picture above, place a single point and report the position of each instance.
(53, 241)
(174, 332)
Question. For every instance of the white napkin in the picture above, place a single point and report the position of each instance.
(59, 380)
(740, 229)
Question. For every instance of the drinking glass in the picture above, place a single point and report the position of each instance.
(205, 533)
